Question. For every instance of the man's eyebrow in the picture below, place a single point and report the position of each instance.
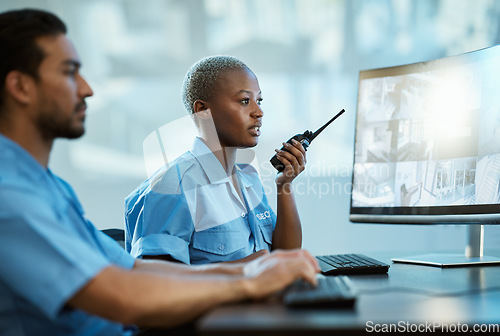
(72, 62)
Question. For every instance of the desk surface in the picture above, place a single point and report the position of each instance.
(408, 294)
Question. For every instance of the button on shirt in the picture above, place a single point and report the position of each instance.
(48, 251)
(192, 212)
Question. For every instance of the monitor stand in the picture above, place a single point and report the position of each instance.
(473, 253)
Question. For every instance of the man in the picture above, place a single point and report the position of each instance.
(59, 275)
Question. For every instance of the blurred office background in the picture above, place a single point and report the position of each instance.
(306, 54)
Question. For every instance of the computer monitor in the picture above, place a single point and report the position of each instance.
(427, 148)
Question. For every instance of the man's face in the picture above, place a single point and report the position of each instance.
(236, 109)
(61, 90)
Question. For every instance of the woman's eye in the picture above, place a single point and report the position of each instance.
(245, 101)
(259, 101)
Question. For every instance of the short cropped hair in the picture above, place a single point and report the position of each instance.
(19, 30)
(202, 78)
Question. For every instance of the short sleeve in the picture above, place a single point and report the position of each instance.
(114, 251)
(44, 259)
(167, 227)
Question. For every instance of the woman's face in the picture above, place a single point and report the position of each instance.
(235, 108)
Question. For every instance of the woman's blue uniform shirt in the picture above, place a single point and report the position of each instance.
(191, 211)
(48, 251)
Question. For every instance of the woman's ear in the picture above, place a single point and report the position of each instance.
(201, 109)
(199, 106)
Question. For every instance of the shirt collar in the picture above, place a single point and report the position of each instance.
(245, 183)
(13, 154)
(208, 162)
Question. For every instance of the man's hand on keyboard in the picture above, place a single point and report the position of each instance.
(272, 273)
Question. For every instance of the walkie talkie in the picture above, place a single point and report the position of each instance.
(305, 139)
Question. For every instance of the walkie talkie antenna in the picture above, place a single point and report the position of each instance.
(304, 138)
(315, 134)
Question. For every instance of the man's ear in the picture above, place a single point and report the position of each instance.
(19, 86)
(201, 109)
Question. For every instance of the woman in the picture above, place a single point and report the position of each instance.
(204, 207)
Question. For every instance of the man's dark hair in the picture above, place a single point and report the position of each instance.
(18, 49)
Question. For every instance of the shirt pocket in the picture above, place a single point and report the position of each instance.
(266, 228)
(220, 240)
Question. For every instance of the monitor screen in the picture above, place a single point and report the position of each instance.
(427, 142)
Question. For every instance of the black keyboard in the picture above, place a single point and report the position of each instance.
(331, 292)
(337, 264)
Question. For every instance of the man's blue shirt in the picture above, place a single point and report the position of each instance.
(191, 211)
(49, 251)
